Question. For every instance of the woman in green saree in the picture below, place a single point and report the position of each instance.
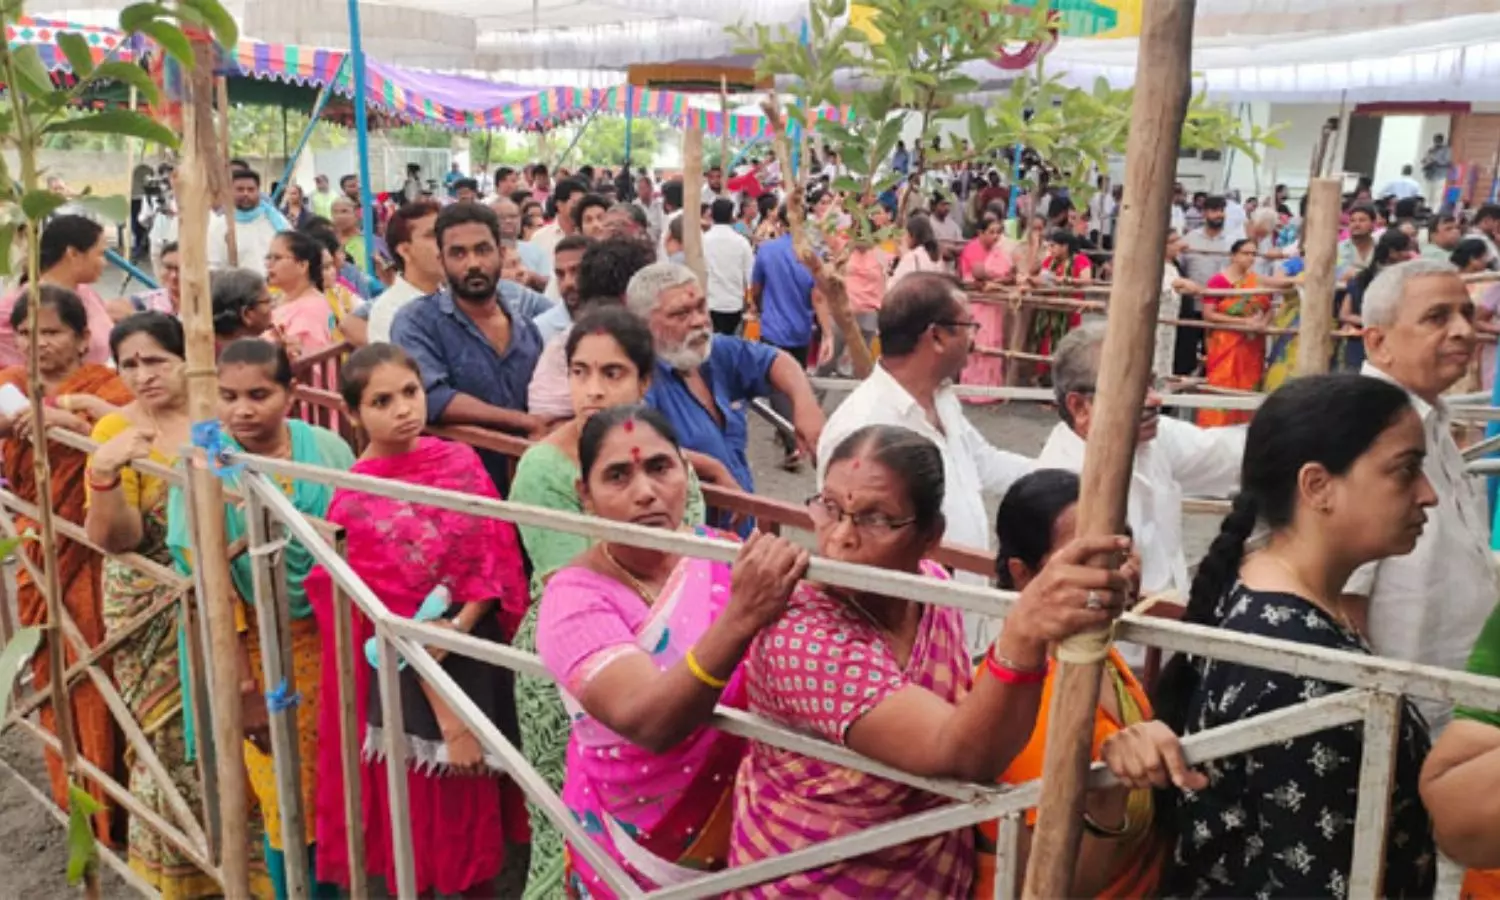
(610, 360)
(255, 395)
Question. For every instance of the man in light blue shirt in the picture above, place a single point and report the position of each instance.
(567, 260)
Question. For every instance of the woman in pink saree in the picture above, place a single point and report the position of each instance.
(411, 556)
(986, 263)
(643, 644)
(893, 682)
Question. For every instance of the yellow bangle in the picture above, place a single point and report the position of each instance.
(701, 674)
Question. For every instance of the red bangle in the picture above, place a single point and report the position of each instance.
(1008, 673)
(107, 486)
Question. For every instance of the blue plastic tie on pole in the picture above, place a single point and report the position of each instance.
(282, 698)
(208, 436)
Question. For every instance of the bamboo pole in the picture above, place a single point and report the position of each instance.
(724, 130)
(206, 492)
(692, 203)
(1320, 244)
(225, 192)
(1162, 88)
(27, 141)
(343, 636)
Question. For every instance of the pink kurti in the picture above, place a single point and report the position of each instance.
(996, 263)
(818, 670)
(305, 322)
(659, 801)
(403, 551)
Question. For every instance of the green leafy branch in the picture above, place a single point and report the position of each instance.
(39, 108)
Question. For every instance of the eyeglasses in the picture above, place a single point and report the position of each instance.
(974, 326)
(827, 513)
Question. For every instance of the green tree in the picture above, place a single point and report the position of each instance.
(603, 143)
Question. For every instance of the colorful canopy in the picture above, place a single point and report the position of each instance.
(458, 102)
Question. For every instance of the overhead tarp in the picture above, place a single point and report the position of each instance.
(499, 36)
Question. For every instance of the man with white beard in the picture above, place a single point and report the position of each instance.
(704, 382)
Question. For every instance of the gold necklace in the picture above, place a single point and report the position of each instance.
(636, 584)
(1335, 611)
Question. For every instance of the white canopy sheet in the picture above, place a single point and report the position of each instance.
(1436, 59)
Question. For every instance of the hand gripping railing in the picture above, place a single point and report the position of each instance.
(1378, 686)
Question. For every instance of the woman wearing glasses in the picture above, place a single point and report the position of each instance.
(891, 680)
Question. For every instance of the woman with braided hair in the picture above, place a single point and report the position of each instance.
(1333, 472)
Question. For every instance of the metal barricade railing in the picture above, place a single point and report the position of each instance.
(1377, 687)
(189, 832)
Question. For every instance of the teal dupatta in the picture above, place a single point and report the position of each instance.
(311, 445)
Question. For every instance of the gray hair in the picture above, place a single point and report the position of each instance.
(1075, 365)
(1384, 295)
(1265, 217)
(647, 285)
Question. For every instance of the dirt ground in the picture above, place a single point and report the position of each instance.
(32, 852)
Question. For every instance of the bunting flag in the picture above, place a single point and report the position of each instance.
(42, 34)
(456, 102)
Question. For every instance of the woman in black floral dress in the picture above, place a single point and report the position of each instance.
(1333, 468)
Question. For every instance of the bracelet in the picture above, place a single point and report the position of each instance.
(701, 673)
(1099, 831)
(1008, 672)
(105, 487)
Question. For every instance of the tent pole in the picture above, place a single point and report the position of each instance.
(319, 104)
(362, 138)
(798, 128)
(582, 130)
(629, 124)
(1163, 84)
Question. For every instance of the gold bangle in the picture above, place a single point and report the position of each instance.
(701, 673)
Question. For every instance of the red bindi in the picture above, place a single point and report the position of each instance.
(629, 425)
(856, 464)
(635, 453)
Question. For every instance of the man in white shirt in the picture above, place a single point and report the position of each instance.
(1235, 217)
(567, 193)
(713, 186)
(730, 261)
(671, 205)
(650, 204)
(413, 243)
(926, 334)
(255, 226)
(1173, 460)
(567, 260)
(1429, 605)
(944, 227)
(1402, 188)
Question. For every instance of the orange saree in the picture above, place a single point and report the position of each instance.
(1235, 359)
(1140, 856)
(79, 572)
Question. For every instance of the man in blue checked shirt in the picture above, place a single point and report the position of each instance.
(704, 382)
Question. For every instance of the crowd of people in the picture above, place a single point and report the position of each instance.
(556, 306)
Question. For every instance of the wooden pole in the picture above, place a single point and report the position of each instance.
(1162, 88)
(207, 493)
(1320, 247)
(692, 202)
(724, 131)
(225, 193)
